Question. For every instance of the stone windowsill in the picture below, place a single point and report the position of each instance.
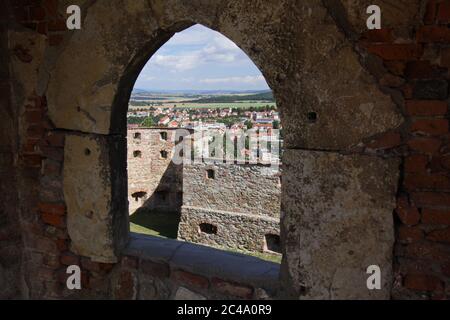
(206, 261)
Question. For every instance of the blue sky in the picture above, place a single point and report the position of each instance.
(199, 58)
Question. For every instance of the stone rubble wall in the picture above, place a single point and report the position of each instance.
(234, 230)
(150, 173)
(240, 188)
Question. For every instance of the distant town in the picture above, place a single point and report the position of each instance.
(221, 110)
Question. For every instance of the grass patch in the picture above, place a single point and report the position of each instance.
(162, 224)
(165, 225)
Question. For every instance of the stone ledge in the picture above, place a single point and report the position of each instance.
(232, 213)
(206, 261)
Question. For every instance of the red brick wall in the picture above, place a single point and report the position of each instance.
(10, 239)
(41, 154)
(419, 69)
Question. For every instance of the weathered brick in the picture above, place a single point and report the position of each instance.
(33, 116)
(385, 141)
(378, 35)
(428, 198)
(90, 265)
(433, 216)
(426, 107)
(126, 286)
(35, 131)
(416, 181)
(44, 273)
(232, 289)
(51, 168)
(410, 234)
(396, 51)
(21, 14)
(51, 6)
(41, 27)
(425, 145)
(130, 262)
(445, 269)
(407, 213)
(416, 163)
(55, 208)
(159, 270)
(37, 13)
(442, 235)
(430, 126)
(57, 25)
(421, 70)
(428, 34)
(428, 250)
(54, 219)
(61, 244)
(443, 13)
(430, 12)
(55, 139)
(430, 90)
(422, 282)
(413, 266)
(445, 57)
(32, 160)
(52, 153)
(68, 258)
(190, 279)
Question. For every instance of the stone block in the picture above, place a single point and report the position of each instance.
(337, 222)
(97, 220)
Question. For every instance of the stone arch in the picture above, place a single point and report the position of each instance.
(88, 90)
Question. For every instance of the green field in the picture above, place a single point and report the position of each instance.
(244, 104)
(236, 105)
(163, 224)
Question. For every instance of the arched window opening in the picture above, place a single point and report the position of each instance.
(212, 92)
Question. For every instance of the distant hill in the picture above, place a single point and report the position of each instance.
(139, 91)
(194, 92)
(264, 96)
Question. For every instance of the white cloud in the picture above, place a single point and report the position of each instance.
(199, 57)
(212, 47)
(176, 62)
(245, 79)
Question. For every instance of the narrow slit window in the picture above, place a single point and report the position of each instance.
(208, 228)
(210, 174)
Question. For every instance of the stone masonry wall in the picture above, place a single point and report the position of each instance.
(234, 230)
(240, 188)
(241, 200)
(154, 182)
(354, 104)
